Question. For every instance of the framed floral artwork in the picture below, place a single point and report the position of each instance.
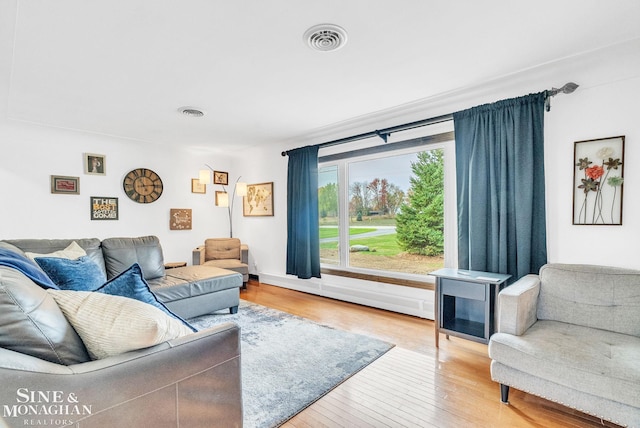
(598, 181)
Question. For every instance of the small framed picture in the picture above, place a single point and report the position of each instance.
(65, 185)
(180, 219)
(222, 199)
(104, 208)
(221, 177)
(95, 164)
(197, 187)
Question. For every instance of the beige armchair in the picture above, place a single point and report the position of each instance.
(225, 253)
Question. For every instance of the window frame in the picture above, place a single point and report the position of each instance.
(341, 160)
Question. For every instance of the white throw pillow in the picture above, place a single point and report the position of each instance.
(111, 325)
(72, 252)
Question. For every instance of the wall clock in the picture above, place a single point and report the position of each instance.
(142, 185)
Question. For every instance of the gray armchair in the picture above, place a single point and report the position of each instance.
(225, 253)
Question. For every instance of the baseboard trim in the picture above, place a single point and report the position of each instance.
(406, 300)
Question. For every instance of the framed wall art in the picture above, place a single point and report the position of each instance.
(197, 187)
(259, 200)
(65, 185)
(221, 177)
(598, 179)
(95, 164)
(180, 219)
(222, 199)
(104, 208)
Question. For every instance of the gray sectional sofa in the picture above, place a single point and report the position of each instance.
(571, 334)
(188, 291)
(48, 375)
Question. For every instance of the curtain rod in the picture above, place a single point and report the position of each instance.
(384, 133)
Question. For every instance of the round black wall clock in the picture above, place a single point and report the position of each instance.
(142, 185)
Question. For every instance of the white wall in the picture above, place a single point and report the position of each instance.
(604, 105)
(602, 111)
(30, 154)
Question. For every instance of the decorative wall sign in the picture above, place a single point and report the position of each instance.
(104, 208)
(259, 200)
(65, 185)
(95, 164)
(220, 177)
(180, 219)
(197, 187)
(598, 181)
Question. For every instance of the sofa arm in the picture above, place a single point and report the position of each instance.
(517, 305)
(189, 381)
(198, 255)
(244, 254)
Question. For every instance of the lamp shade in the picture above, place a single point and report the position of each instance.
(241, 189)
(222, 199)
(204, 176)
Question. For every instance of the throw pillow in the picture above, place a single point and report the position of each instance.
(72, 252)
(111, 325)
(131, 283)
(81, 274)
(31, 322)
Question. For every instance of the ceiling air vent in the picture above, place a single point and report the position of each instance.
(325, 37)
(191, 111)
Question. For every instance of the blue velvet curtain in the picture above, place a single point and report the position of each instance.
(303, 241)
(500, 186)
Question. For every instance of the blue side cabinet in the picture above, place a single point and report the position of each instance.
(465, 303)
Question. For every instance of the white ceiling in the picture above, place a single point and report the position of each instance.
(124, 67)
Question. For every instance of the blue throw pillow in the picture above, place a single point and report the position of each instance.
(82, 274)
(131, 283)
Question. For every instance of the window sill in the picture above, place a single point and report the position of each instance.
(379, 278)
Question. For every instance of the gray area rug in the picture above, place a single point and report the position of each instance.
(289, 362)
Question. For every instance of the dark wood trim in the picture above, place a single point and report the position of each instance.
(379, 278)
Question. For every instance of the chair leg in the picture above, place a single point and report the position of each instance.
(233, 310)
(504, 393)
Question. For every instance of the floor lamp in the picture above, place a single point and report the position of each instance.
(222, 199)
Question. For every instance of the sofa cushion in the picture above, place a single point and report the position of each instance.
(111, 325)
(121, 253)
(44, 246)
(198, 280)
(602, 297)
(31, 322)
(73, 251)
(131, 284)
(598, 362)
(221, 248)
(80, 274)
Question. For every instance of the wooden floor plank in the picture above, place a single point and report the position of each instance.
(414, 384)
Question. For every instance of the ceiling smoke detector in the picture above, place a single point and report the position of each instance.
(325, 37)
(191, 111)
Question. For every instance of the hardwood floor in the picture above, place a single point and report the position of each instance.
(414, 384)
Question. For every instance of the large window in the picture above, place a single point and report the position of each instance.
(386, 212)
